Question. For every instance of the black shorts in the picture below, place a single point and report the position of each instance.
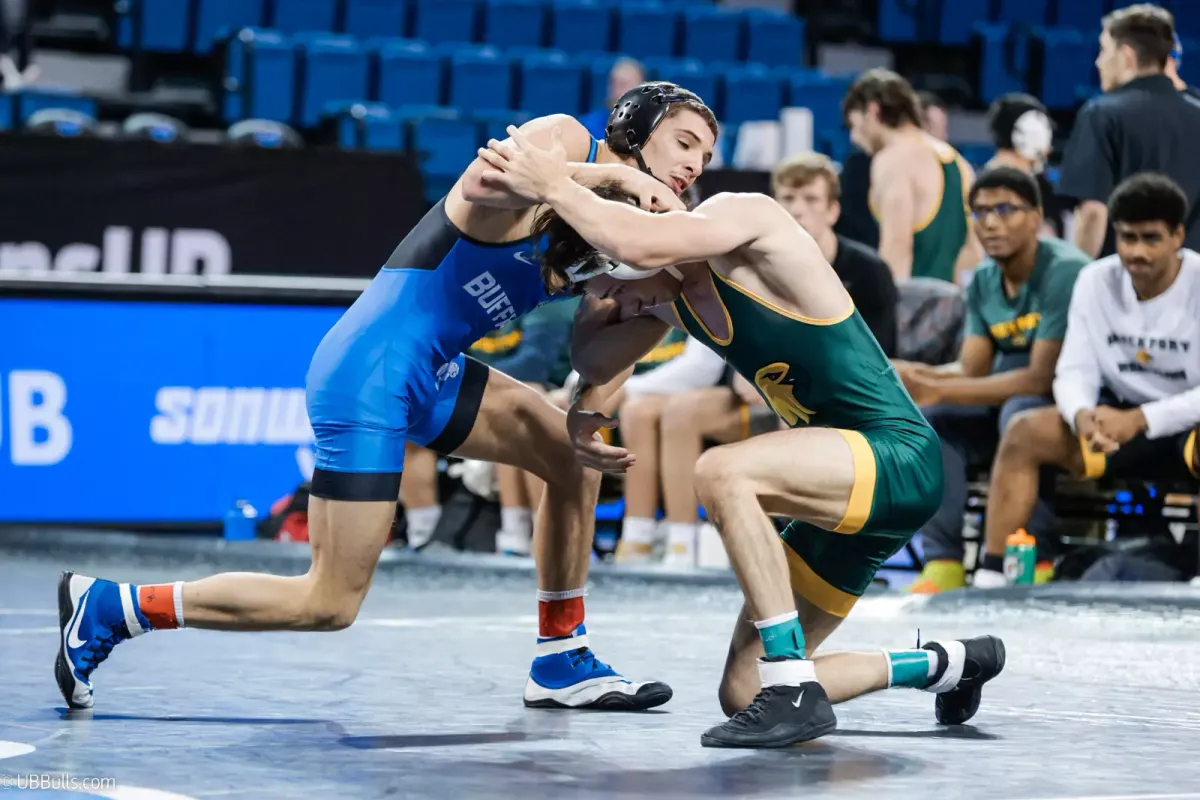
(1168, 459)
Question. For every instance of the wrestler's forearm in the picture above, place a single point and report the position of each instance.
(599, 355)
(592, 174)
(600, 397)
(618, 230)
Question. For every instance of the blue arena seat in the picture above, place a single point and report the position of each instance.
(6, 112)
(751, 92)
(581, 26)
(1189, 70)
(646, 31)
(225, 17)
(444, 146)
(294, 16)
(439, 21)
(160, 26)
(1027, 12)
(410, 73)
(1004, 60)
(822, 94)
(479, 77)
(260, 76)
(712, 33)
(957, 25)
(596, 68)
(1082, 14)
(514, 23)
(370, 126)
(550, 84)
(368, 18)
(1067, 63)
(774, 38)
(334, 69)
(898, 21)
(30, 101)
(494, 124)
(691, 74)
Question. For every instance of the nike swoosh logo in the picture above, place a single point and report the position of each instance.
(73, 640)
(524, 258)
(799, 697)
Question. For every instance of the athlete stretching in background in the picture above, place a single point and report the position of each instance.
(391, 370)
(859, 470)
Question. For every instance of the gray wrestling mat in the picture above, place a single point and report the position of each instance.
(421, 698)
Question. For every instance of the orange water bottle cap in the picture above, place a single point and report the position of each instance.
(1020, 537)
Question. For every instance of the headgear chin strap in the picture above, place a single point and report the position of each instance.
(614, 269)
(635, 117)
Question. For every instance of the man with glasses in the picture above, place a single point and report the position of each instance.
(1016, 318)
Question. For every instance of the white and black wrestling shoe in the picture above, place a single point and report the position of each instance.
(567, 674)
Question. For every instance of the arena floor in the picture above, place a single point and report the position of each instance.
(422, 699)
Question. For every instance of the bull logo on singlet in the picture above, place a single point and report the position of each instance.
(446, 371)
(771, 381)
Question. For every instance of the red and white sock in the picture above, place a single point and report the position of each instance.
(559, 613)
(156, 607)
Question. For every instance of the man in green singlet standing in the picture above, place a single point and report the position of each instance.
(858, 469)
(919, 184)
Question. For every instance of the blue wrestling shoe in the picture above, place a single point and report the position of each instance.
(567, 674)
(91, 621)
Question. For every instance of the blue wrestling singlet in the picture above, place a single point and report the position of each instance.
(392, 368)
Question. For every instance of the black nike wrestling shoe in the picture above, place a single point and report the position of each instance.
(791, 708)
(961, 675)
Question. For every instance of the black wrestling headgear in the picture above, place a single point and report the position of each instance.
(636, 115)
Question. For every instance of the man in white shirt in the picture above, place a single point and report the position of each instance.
(1127, 383)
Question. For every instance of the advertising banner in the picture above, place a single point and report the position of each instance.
(144, 209)
(131, 412)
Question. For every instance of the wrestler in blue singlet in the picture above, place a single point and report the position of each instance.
(392, 369)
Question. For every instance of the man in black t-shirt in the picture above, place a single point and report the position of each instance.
(807, 187)
(1142, 123)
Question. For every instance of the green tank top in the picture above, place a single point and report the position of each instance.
(829, 373)
(938, 240)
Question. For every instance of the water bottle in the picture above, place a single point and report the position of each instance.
(1020, 558)
(240, 522)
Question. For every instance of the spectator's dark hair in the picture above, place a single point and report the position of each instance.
(1146, 28)
(564, 247)
(1004, 113)
(1148, 197)
(1015, 180)
(931, 100)
(898, 103)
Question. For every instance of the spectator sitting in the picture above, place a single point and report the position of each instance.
(419, 494)
(1127, 385)
(679, 365)
(534, 349)
(807, 187)
(626, 74)
(1024, 137)
(1016, 316)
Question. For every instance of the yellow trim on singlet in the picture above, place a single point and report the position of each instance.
(1094, 464)
(951, 157)
(496, 344)
(783, 311)
(862, 491)
(1189, 453)
(815, 589)
(700, 322)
